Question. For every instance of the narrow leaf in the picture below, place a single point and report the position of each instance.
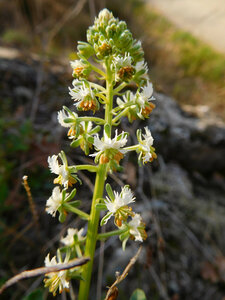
(107, 129)
(110, 191)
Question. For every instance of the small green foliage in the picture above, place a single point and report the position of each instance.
(198, 59)
(138, 294)
(16, 37)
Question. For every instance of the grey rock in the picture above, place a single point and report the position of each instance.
(196, 143)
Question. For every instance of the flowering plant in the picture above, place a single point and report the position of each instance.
(114, 56)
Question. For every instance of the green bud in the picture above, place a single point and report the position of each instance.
(62, 216)
(104, 16)
(85, 50)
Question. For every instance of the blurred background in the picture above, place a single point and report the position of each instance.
(181, 195)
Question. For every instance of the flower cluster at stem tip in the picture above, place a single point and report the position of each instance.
(113, 55)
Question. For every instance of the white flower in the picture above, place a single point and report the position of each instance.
(84, 96)
(122, 61)
(142, 66)
(117, 206)
(79, 92)
(128, 98)
(123, 68)
(69, 239)
(56, 280)
(124, 198)
(146, 93)
(139, 104)
(77, 64)
(108, 143)
(54, 202)
(80, 69)
(146, 145)
(134, 225)
(148, 137)
(58, 169)
(135, 229)
(66, 174)
(62, 115)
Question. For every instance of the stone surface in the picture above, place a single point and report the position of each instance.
(196, 143)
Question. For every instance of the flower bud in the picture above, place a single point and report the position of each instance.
(85, 50)
(105, 15)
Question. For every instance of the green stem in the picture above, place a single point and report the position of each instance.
(102, 236)
(78, 250)
(93, 223)
(77, 211)
(120, 115)
(96, 120)
(92, 233)
(132, 148)
(109, 95)
(102, 97)
(89, 168)
(120, 87)
(97, 86)
(97, 70)
(129, 104)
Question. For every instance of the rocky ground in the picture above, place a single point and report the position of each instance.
(181, 195)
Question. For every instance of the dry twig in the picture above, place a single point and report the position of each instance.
(44, 270)
(113, 289)
(30, 200)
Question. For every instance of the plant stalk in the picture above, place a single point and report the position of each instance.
(93, 223)
(92, 233)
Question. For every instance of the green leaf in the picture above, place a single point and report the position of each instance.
(110, 191)
(90, 139)
(95, 130)
(100, 206)
(106, 218)
(71, 195)
(35, 295)
(107, 129)
(75, 203)
(68, 110)
(69, 120)
(139, 135)
(138, 294)
(75, 143)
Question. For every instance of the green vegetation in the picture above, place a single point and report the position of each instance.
(185, 67)
(198, 59)
(16, 37)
